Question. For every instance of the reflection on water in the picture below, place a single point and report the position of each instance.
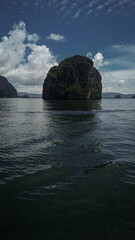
(67, 169)
(72, 105)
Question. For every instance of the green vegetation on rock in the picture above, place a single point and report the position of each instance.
(73, 78)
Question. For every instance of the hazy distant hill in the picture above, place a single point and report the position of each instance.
(31, 95)
(104, 95)
(113, 94)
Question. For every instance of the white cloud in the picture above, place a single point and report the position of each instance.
(12, 48)
(125, 7)
(122, 48)
(60, 3)
(88, 13)
(33, 37)
(74, 5)
(24, 63)
(92, 3)
(99, 60)
(56, 37)
(77, 14)
(89, 55)
(121, 81)
(100, 7)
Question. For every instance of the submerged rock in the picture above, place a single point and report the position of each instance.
(73, 78)
(7, 90)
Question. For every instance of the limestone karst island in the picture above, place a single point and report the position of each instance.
(74, 78)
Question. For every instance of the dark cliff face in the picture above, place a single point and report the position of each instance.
(73, 78)
(7, 90)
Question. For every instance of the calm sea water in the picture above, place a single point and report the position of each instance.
(67, 169)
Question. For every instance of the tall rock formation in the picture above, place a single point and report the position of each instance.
(7, 90)
(74, 78)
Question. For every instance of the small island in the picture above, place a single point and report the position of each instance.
(118, 96)
(24, 96)
(74, 78)
(7, 90)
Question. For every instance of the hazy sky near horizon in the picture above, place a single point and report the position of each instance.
(37, 34)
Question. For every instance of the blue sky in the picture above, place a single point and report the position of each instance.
(37, 34)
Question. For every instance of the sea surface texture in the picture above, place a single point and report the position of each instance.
(67, 169)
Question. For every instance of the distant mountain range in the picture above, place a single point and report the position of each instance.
(30, 95)
(114, 94)
(104, 95)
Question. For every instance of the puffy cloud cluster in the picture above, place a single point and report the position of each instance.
(33, 37)
(98, 60)
(22, 61)
(12, 48)
(56, 37)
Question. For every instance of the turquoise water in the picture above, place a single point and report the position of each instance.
(67, 169)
